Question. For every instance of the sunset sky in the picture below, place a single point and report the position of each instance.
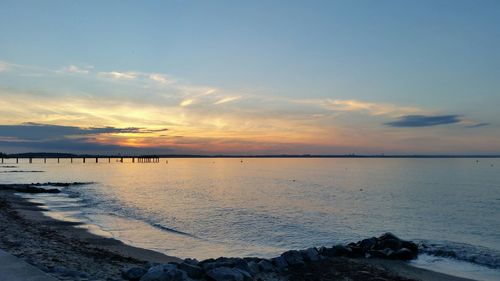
(250, 77)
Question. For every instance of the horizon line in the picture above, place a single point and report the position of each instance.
(349, 155)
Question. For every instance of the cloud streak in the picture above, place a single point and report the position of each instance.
(411, 121)
(352, 105)
(36, 131)
(226, 100)
(75, 70)
(118, 75)
(478, 125)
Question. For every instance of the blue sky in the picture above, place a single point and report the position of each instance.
(255, 76)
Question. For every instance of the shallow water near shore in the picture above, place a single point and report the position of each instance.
(261, 207)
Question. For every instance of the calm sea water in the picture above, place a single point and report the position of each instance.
(261, 207)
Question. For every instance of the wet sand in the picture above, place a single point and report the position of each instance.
(71, 253)
(60, 248)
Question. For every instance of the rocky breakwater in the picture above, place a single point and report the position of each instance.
(387, 246)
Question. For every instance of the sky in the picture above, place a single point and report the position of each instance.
(250, 77)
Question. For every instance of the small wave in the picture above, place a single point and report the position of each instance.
(164, 228)
(461, 251)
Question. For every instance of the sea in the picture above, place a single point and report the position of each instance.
(211, 207)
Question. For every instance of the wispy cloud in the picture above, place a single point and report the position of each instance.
(478, 125)
(119, 75)
(227, 99)
(3, 66)
(161, 78)
(186, 102)
(371, 108)
(424, 121)
(75, 69)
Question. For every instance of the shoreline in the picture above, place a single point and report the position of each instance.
(67, 252)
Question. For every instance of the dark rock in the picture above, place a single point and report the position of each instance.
(336, 251)
(388, 235)
(392, 244)
(150, 264)
(191, 261)
(367, 244)
(226, 274)
(165, 272)
(265, 266)
(310, 254)
(356, 251)
(246, 276)
(293, 257)
(404, 254)
(210, 265)
(280, 262)
(253, 267)
(134, 273)
(249, 259)
(383, 254)
(192, 270)
(410, 246)
(241, 264)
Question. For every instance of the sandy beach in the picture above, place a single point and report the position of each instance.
(67, 252)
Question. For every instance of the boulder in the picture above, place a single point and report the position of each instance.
(410, 246)
(241, 264)
(388, 235)
(253, 267)
(392, 244)
(134, 273)
(165, 272)
(404, 254)
(341, 250)
(383, 254)
(293, 258)
(227, 274)
(192, 270)
(246, 276)
(221, 262)
(210, 265)
(356, 251)
(310, 255)
(191, 261)
(367, 244)
(280, 262)
(265, 266)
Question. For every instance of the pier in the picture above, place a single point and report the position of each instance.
(81, 159)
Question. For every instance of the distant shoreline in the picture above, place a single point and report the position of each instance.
(127, 156)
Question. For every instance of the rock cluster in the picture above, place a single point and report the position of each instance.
(387, 246)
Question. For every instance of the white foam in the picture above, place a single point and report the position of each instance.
(457, 268)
